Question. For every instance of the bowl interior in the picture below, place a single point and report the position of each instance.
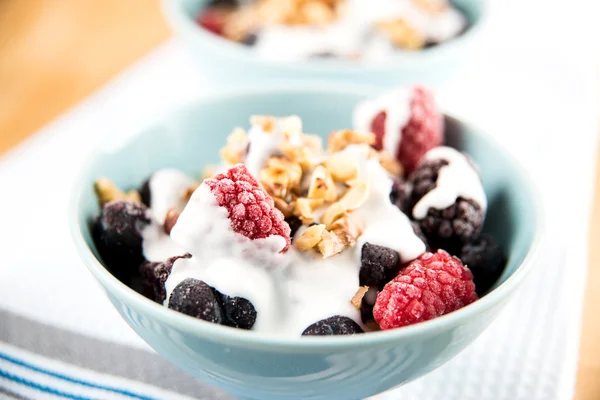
(182, 14)
(192, 137)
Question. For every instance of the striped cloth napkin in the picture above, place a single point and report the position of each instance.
(60, 337)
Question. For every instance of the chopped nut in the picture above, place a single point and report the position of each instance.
(335, 211)
(235, 149)
(330, 244)
(266, 122)
(339, 140)
(283, 206)
(170, 221)
(300, 154)
(315, 13)
(304, 208)
(342, 166)
(355, 196)
(107, 191)
(292, 129)
(348, 228)
(313, 142)
(310, 237)
(291, 168)
(189, 192)
(432, 6)
(275, 181)
(209, 171)
(357, 298)
(390, 164)
(402, 34)
(321, 185)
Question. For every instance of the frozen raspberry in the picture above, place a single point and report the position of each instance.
(378, 265)
(197, 299)
(118, 238)
(211, 19)
(452, 226)
(154, 275)
(251, 209)
(423, 131)
(486, 260)
(432, 285)
(336, 325)
(238, 312)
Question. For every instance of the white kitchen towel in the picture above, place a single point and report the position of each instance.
(533, 86)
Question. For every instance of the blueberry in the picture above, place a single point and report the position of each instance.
(145, 192)
(336, 325)
(197, 299)
(486, 260)
(238, 312)
(379, 265)
(294, 223)
(118, 238)
(154, 275)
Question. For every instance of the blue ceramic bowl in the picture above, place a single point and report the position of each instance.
(259, 366)
(234, 64)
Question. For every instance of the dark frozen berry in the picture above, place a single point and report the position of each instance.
(378, 265)
(486, 260)
(197, 299)
(250, 39)
(145, 192)
(294, 223)
(336, 325)
(453, 226)
(366, 312)
(154, 275)
(251, 210)
(224, 3)
(400, 195)
(117, 235)
(238, 312)
(423, 179)
(431, 285)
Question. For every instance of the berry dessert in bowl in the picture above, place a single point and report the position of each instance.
(314, 251)
(376, 41)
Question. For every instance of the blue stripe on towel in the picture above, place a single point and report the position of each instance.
(57, 375)
(41, 388)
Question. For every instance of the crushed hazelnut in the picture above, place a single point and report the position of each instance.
(348, 228)
(343, 167)
(266, 122)
(390, 164)
(355, 196)
(432, 6)
(170, 221)
(107, 191)
(330, 244)
(321, 185)
(304, 208)
(335, 211)
(339, 140)
(237, 145)
(402, 34)
(357, 298)
(310, 237)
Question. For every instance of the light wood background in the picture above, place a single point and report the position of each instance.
(54, 53)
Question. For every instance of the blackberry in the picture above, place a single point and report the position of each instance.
(452, 226)
(238, 312)
(420, 235)
(336, 325)
(400, 195)
(154, 275)
(118, 238)
(145, 192)
(366, 312)
(294, 223)
(486, 260)
(378, 265)
(197, 299)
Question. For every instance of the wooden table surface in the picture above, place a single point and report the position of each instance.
(54, 53)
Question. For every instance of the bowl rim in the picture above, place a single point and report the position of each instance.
(252, 339)
(179, 20)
